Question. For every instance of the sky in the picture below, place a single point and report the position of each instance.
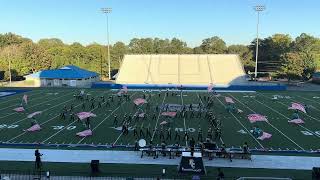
(190, 20)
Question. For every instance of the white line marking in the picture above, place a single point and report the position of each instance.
(106, 119)
(203, 106)
(155, 127)
(269, 124)
(36, 105)
(184, 119)
(242, 125)
(287, 117)
(19, 98)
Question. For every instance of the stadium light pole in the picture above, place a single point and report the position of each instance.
(258, 9)
(107, 11)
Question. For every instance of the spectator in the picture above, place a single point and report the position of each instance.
(38, 155)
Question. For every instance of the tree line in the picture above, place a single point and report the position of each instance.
(279, 55)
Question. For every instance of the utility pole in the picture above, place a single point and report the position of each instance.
(258, 9)
(107, 11)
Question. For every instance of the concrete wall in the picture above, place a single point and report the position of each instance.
(181, 69)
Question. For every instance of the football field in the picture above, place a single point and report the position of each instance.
(58, 132)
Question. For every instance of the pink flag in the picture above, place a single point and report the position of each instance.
(139, 101)
(125, 89)
(85, 133)
(84, 115)
(229, 100)
(19, 109)
(34, 128)
(296, 121)
(25, 98)
(34, 114)
(297, 106)
(256, 117)
(265, 136)
(210, 87)
(141, 115)
(170, 114)
(163, 123)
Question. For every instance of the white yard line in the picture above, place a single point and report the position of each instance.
(155, 127)
(203, 106)
(305, 103)
(20, 102)
(242, 125)
(309, 99)
(14, 123)
(40, 125)
(36, 105)
(122, 132)
(106, 119)
(65, 127)
(285, 117)
(297, 102)
(184, 119)
(269, 124)
(20, 98)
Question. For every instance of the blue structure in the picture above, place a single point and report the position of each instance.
(66, 76)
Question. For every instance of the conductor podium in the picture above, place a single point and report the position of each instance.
(191, 164)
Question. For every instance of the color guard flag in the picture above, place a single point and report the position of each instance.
(296, 121)
(34, 128)
(125, 89)
(298, 106)
(84, 115)
(210, 87)
(34, 114)
(229, 100)
(265, 136)
(139, 101)
(25, 98)
(170, 114)
(85, 133)
(256, 117)
(19, 109)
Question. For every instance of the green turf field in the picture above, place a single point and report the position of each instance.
(235, 126)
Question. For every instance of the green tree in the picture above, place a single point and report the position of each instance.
(118, 50)
(270, 51)
(50, 43)
(309, 48)
(161, 46)
(245, 54)
(178, 46)
(36, 56)
(12, 39)
(213, 45)
(292, 65)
